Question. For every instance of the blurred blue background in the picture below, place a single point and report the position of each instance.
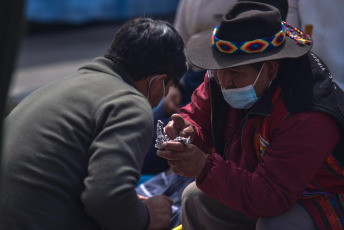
(84, 11)
(62, 35)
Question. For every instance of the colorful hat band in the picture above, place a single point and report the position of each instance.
(255, 46)
(260, 45)
(296, 34)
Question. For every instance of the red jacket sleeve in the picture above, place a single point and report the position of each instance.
(197, 112)
(299, 147)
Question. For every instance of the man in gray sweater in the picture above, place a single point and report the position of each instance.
(74, 149)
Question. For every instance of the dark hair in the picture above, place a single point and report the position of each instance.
(144, 47)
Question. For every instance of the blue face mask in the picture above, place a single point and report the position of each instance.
(241, 98)
(163, 94)
(154, 109)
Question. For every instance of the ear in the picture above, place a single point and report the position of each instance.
(273, 68)
(156, 84)
(161, 77)
(143, 84)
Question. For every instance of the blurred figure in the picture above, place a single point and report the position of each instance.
(194, 16)
(326, 18)
(73, 149)
(12, 26)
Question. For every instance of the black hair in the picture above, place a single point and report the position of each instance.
(144, 47)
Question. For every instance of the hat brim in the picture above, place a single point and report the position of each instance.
(202, 54)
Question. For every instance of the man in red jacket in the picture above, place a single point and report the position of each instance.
(266, 129)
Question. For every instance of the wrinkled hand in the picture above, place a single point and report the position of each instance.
(160, 212)
(179, 127)
(184, 159)
(172, 101)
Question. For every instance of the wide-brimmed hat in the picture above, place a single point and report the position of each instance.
(281, 5)
(249, 32)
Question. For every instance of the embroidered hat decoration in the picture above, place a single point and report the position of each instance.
(296, 34)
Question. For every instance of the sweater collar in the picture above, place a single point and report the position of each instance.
(105, 65)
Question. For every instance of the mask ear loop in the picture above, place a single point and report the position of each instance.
(150, 82)
(260, 71)
(163, 86)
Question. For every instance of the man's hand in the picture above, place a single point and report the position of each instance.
(184, 159)
(179, 127)
(160, 212)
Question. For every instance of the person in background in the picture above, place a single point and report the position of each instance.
(73, 149)
(195, 16)
(325, 18)
(273, 118)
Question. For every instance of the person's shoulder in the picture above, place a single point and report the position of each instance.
(315, 119)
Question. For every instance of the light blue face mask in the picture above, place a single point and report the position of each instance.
(242, 98)
(163, 94)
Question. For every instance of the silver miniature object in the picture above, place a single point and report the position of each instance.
(183, 140)
(161, 137)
